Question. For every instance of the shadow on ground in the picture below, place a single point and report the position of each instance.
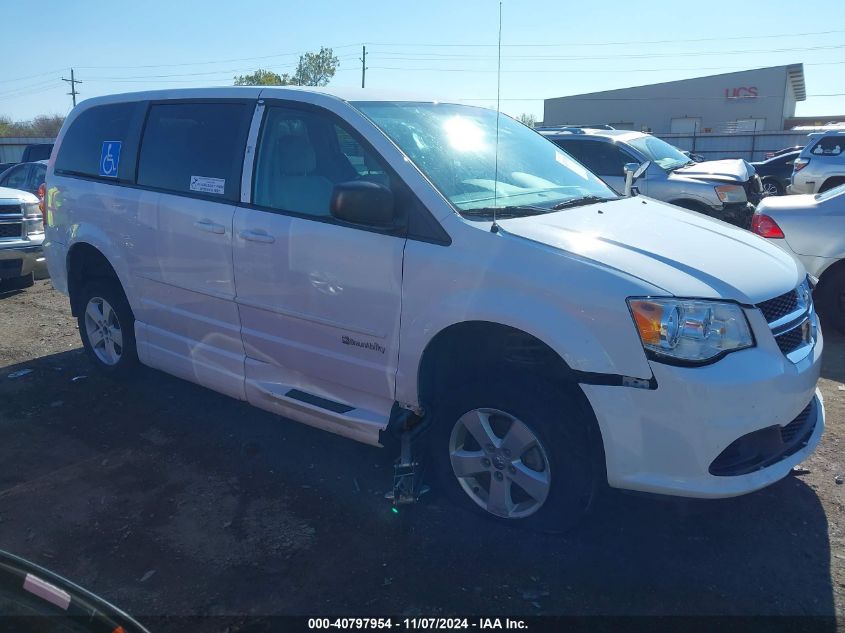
(167, 498)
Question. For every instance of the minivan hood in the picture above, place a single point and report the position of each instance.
(685, 253)
(729, 170)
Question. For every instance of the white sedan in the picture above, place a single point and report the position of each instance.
(811, 227)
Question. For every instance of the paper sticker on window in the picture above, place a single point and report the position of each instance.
(204, 184)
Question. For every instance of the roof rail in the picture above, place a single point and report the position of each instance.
(574, 129)
(560, 128)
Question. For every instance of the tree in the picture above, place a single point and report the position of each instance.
(262, 77)
(527, 119)
(45, 126)
(313, 69)
(316, 69)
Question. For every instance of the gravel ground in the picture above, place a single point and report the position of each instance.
(167, 498)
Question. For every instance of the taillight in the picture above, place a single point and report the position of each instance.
(42, 203)
(763, 225)
(799, 164)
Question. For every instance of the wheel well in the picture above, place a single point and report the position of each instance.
(84, 263)
(482, 350)
(828, 274)
(832, 182)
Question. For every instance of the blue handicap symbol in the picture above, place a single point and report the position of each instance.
(110, 158)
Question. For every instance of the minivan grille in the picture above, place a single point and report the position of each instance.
(791, 340)
(13, 229)
(779, 307)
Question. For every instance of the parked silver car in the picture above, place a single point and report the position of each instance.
(821, 165)
(21, 237)
(724, 189)
(812, 228)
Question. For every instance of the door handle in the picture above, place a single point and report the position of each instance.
(257, 236)
(210, 227)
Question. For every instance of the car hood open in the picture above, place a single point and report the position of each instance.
(729, 170)
(683, 252)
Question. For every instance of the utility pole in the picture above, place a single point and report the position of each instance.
(364, 66)
(72, 81)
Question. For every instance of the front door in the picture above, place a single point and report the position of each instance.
(319, 300)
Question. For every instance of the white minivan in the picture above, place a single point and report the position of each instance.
(367, 266)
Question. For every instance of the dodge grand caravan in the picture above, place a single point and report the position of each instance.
(368, 266)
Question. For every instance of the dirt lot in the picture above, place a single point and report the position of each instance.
(167, 498)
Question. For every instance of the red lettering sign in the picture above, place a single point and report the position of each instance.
(743, 92)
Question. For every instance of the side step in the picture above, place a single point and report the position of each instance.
(335, 417)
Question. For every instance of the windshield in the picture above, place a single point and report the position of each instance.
(831, 193)
(666, 156)
(455, 147)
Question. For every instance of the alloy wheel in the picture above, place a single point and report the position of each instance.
(500, 463)
(104, 332)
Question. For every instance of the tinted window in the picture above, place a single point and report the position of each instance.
(16, 177)
(195, 148)
(604, 159)
(82, 145)
(302, 155)
(829, 146)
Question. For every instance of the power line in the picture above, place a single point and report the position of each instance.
(623, 43)
(406, 45)
(620, 56)
(216, 61)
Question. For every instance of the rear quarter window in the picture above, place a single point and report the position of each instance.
(829, 146)
(82, 146)
(195, 148)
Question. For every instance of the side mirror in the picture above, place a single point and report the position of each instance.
(363, 203)
(632, 172)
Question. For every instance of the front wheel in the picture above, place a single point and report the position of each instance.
(520, 452)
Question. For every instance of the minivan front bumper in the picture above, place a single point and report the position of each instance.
(667, 440)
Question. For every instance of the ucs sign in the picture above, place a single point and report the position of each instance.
(741, 93)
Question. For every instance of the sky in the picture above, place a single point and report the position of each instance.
(446, 49)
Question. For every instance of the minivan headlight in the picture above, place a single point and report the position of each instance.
(730, 194)
(690, 330)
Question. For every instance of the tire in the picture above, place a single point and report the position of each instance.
(563, 466)
(772, 187)
(104, 310)
(831, 298)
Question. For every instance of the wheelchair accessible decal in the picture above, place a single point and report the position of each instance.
(110, 158)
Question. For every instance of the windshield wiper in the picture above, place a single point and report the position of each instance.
(580, 202)
(514, 211)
